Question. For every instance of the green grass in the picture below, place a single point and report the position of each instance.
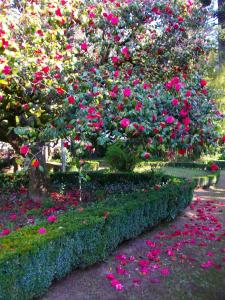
(184, 172)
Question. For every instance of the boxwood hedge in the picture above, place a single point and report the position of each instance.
(29, 261)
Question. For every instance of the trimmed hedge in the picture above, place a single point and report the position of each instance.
(104, 178)
(29, 262)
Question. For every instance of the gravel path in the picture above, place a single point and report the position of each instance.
(189, 264)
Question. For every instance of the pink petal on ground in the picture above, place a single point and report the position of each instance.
(119, 287)
(110, 276)
(155, 280)
(165, 271)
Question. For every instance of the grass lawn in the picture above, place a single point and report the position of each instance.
(184, 172)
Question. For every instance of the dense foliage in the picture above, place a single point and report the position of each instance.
(127, 69)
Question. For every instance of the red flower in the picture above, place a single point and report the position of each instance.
(84, 46)
(214, 168)
(45, 69)
(24, 150)
(203, 82)
(60, 91)
(6, 70)
(182, 151)
(35, 163)
(58, 12)
(71, 100)
(147, 155)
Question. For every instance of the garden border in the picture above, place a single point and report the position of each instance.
(29, 261)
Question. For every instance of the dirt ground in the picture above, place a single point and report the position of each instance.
(184, 259)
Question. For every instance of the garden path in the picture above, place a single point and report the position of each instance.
(191, 263)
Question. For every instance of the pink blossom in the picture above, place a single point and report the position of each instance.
(116, 73)
(186, 121)
(175, 102)
(84, 46)
(5, 231)
(115, 59)
(207, 264)
(178, 86)
(125, 122)
(13, 217)
(125, 50)
(114, 282)
(51, 219)
(42, 230)
(169, 119)
(114, 20)
(24, 150)
(6, 70)
(119, 287)
(110, 276)
(127, 92)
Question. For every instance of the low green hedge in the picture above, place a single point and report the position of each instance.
(104, 178)
(29, 261)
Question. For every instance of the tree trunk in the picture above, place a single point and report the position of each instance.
(221, 22)
(38, 180)
(63, 156)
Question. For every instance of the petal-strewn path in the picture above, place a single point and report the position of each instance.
(181, 260)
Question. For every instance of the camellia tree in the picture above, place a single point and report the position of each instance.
(104, 71)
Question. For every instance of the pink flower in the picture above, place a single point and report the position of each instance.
(116, 73)
(175, 102)
(6, 70)
(119, 287)
(51, 219)
(13, 217)
(127, 92)
(223, 139)
(114, 20)
(24, 150)
(5, 231)
(142, 128)
(178, 87)
(84, 46)
(186, 121)
(169, 119)
(125, 51)
(114, 282)
(188, 94)
(110, 276)
(115, 59)
(42, 230)
(207, 264)
(125, 122)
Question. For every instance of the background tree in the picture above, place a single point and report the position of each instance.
(104, 71)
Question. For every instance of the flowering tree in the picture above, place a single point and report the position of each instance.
(104, 70)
